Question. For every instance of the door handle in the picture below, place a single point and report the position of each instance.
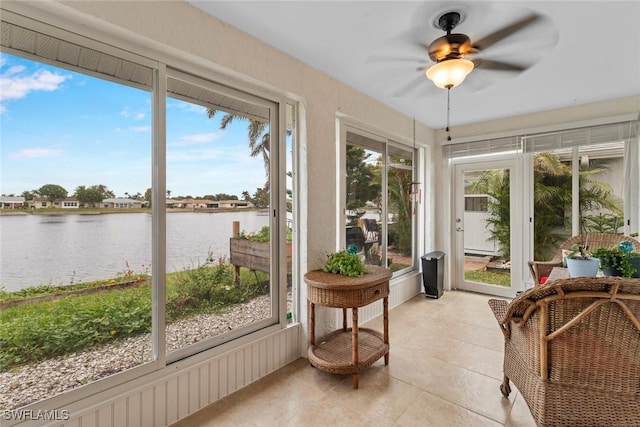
(459, 229)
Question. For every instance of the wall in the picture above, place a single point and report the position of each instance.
(176, 33)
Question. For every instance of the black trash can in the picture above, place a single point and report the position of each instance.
(433, 274)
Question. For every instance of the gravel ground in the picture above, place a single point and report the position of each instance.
(30, 383)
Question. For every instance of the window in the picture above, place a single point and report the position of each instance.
(218, 257)
(579, 180)
(96, 135)
(380, 208)
(475, 203)
(78, 283)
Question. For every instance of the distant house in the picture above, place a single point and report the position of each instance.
(170, 203)
(196, 203)
(206, 204)
(229, 204)
(68, 203)
(11, 202)
(122, 203)
(43, 203)
(39, 203)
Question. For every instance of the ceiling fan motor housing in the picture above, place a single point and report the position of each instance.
(448, 21)
(451, 46)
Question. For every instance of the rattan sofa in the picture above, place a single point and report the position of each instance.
(541, 269)
(572, 348)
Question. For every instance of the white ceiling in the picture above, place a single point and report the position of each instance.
(580, 51)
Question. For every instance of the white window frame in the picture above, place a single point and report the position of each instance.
(343, 127)
(87, 37)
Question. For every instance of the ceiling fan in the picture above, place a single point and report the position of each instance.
(455, 55)
(491, 56)
(450, 58)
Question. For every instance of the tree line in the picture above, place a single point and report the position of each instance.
(93, 194)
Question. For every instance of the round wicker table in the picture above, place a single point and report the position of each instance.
(348, 350)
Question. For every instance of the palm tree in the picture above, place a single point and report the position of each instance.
(553, 199)
(399, 190)
(258, 133)
(552, 196)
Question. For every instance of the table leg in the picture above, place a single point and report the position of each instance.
(354, 341)
(385, 317)
(312, 323)
(344, 319)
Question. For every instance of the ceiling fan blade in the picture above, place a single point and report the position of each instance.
(475, 82)
(394, 58)
(505, 32)
(486, 64)
(409, 87)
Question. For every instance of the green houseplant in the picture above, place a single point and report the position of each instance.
(345, 262)
(619, 260)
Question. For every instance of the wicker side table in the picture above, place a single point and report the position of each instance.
(348, 350)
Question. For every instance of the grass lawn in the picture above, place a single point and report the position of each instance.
(493, 278)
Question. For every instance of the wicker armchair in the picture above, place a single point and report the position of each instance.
(540, 269)
(572, 348)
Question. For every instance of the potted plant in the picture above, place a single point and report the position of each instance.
(619, 260)
(580, 263)
(345, 262)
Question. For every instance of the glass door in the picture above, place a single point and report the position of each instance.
(486, 226)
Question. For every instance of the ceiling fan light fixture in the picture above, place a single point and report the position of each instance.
(449, 73)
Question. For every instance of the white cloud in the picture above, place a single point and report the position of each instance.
(194, 155)
(126, 113)
(30, 153)
(15, 84)
(185, 106)
(201, 137)
(196, 139)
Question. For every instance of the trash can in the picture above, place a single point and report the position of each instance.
(433, 274)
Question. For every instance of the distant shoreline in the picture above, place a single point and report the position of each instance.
(100, 211)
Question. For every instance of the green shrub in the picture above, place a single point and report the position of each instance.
(207, 288)
(33, 332)
(264, 235)
(43, 330)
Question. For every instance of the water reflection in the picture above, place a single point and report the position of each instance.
(61, 249)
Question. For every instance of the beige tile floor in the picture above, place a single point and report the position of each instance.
(445, 370)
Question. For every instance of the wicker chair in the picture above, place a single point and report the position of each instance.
(572, 348)
(540, 269)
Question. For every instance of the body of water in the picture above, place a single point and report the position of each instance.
(73, 248)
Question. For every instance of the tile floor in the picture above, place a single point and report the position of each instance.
(445, 370)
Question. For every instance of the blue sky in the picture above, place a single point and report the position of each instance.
(61, 127)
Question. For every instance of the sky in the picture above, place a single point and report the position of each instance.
(70, 129)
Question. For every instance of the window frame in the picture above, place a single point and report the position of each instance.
(274, 208)
(88, 38)
(385, 142)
